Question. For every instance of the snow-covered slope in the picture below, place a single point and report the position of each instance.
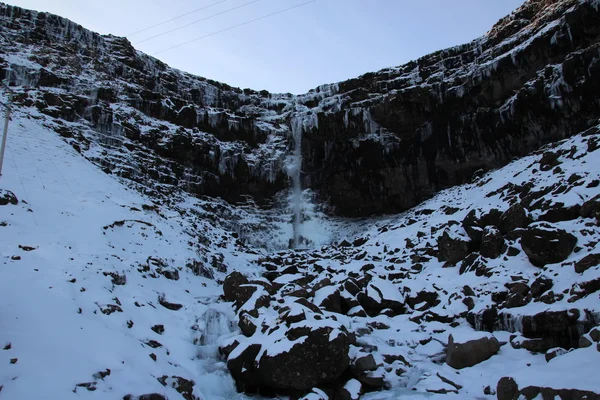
(86, 263)
(514, 253)
(92, 271)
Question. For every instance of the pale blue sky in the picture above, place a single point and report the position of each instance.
(322, 42)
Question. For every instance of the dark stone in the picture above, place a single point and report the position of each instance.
(532, 392)
(151, 396)
(561, 213)
(462, 355)
(507, 389)
(547, 245)
(540, 345)
(591, 208)
(555, 352)
(513, 218)
(171, 306)
(452, 249)
(332, 303)
(247, 325)
(231, 285)
(364, 363)
(183, 386)
(8, 197)
(540, 286)
(587, 262)
(318, 359)
(160, 329)
(492, 243)
(243, 369)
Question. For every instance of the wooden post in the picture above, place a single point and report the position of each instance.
(6, 121)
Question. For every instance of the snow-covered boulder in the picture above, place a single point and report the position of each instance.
(470, 353)
(546, 244)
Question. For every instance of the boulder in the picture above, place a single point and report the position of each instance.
(452, 248)
(318, 357)
(241, 365)
(363, 363)
(351, 391)
(555, 352)
(507, 389)
(540, 286)
(463, 355)
(231, 285)
(591, 208)
(492, 243)
(587, 262)
(8, 197)
(514, 218)
(545, 244)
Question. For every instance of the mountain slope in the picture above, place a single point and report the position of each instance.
(377, 144)
(144, 222)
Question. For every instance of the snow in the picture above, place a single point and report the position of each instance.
(53, 295)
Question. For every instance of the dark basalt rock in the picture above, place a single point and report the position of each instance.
(591, 208)
(462, 355)
(231, 285)
(587, 262)
(452, 248)
(556, 328)
(545, 244)
(492, 243)
(513, 218)
(316, 360)
(8, 197)
(507, 389)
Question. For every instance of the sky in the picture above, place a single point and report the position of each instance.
(324, 41)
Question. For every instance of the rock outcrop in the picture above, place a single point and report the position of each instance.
(380, 143)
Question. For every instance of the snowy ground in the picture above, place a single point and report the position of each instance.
(66, 317)
(56, 246)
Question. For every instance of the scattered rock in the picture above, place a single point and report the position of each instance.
(8, 197)
(507, 389)
(514, 218)
(587, 262)
(452, 248)
(160, 329)
(319, 358)
(462, 355)
(185, 387)
(171, 306)
(555, 352)
(545, 244)
(492, 243)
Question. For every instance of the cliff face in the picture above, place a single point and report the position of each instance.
(380, 143)
(402, 134)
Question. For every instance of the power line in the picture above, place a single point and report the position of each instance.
(234, 26)
(200, 20)
(178, 17)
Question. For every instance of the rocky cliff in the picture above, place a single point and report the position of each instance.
(380, 143)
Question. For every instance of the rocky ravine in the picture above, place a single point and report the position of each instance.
(380, 143)
(486, 289)
(512, 256)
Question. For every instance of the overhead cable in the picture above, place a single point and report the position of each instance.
(200, 20)
(176, 18)
(234, 26)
